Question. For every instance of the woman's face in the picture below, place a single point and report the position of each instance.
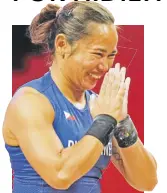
(93, 56)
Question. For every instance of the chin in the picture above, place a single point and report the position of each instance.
(88, 86)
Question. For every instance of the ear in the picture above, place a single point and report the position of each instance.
(61, 45)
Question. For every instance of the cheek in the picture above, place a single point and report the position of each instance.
(111, 62)
(78, 57)
(89, 63)
(85, 62)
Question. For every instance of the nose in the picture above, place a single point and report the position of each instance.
(104, 65)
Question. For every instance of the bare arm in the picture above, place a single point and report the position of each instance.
(30, 117)
(136, 164)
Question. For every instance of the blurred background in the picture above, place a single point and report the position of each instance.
(30, 62)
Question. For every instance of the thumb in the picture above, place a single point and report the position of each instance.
(92, 100)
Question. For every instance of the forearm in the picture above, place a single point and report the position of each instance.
(139, 166)
(131, 158)
(80, 158)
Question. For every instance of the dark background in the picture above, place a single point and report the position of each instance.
(29, 63)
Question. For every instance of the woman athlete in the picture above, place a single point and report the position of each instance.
(56, 128)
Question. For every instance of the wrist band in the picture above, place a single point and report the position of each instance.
(102, 127)
(125, 133)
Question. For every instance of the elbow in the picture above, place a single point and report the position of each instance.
(145, 185)
(56, 176)
(61, 181)
(151, 185)
(150, 181)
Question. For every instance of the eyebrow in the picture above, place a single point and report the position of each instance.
(105, 51)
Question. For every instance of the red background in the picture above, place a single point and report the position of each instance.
(131, 55)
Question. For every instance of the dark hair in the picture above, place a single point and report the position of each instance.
(71, 20)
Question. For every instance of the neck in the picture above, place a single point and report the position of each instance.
(67, 87)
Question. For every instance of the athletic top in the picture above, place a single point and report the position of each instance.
(70, 124)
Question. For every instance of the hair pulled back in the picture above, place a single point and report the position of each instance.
(71, 20)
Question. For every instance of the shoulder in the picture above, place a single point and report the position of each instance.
(40, 84)
(28, 103)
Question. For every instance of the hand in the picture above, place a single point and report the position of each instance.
(111, 97)
(124, 111)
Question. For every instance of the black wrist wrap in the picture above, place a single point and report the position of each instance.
(102, 127)
(125, 133)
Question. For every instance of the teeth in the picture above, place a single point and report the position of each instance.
(94, 76)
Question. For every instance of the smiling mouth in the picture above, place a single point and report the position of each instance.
(95, 76)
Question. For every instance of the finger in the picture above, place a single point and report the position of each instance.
(104, 85)
(121, 93)
(92, 100)
(127, 85)
(123, 73)
(117, 81)
(107, 94)
(110, 83)
(117, 67)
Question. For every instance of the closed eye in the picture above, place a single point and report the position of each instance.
(112, 56)
(98, 53)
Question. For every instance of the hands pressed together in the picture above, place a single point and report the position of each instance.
(113, 96)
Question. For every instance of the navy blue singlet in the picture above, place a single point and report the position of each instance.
(70, 125)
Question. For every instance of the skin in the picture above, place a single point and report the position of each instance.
(31, 127)
(142, 177)
(74, 86)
